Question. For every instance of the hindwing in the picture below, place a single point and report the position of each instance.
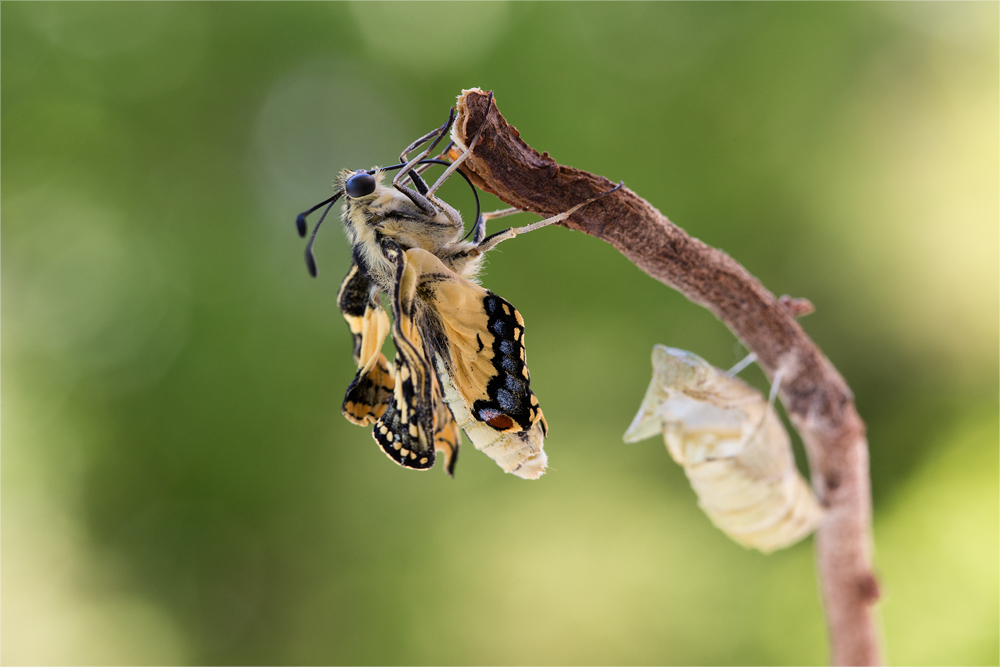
(447, 435)
(406, 431)
(371, 390)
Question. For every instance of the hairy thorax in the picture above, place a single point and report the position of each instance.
(387, 214)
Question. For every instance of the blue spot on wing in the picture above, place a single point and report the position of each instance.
(498, 327)
(509, 406)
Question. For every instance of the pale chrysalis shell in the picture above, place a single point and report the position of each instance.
(733, 448)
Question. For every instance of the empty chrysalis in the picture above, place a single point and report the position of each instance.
(733, 447)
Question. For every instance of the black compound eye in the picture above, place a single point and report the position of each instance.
(360, 185)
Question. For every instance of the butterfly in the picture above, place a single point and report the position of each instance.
(460, 361)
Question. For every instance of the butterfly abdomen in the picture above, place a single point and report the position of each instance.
(517, 452)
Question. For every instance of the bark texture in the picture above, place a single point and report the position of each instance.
(817, 398)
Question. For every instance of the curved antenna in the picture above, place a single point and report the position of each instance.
(300, 219)
(472, 229)
(310, 257)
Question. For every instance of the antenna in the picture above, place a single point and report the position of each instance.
(310, 257)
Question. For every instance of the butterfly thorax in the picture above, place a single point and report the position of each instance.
(387, 214)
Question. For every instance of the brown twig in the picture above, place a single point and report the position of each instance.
(818, 400)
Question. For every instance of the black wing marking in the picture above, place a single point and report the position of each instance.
(406, 430)
(353, 298)
(476, 340)
(511, 405)
(369, 393)
(480, 338)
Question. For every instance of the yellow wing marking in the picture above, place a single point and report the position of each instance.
(369, 393)
(447, 435)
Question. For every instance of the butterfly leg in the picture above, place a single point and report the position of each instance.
(408, 168)
(479, 231)
(414, 172)
(440, 156)
(424, 203)
(472, 144)
(439, 132)
(491, 241)
(452, 215)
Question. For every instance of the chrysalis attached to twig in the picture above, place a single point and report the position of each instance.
(733, 448)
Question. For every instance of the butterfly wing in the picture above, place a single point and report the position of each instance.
(406, 430)
(371, 390)
(447, 436)
(477, 343)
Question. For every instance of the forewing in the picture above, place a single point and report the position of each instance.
(406, 431)
(481, 337)
(368, 395)
(509, 404)
(477, 340)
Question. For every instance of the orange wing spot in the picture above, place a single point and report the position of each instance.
(502, 422)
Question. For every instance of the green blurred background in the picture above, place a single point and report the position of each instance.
(178, 485)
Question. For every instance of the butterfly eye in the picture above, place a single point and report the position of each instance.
(360, 185)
